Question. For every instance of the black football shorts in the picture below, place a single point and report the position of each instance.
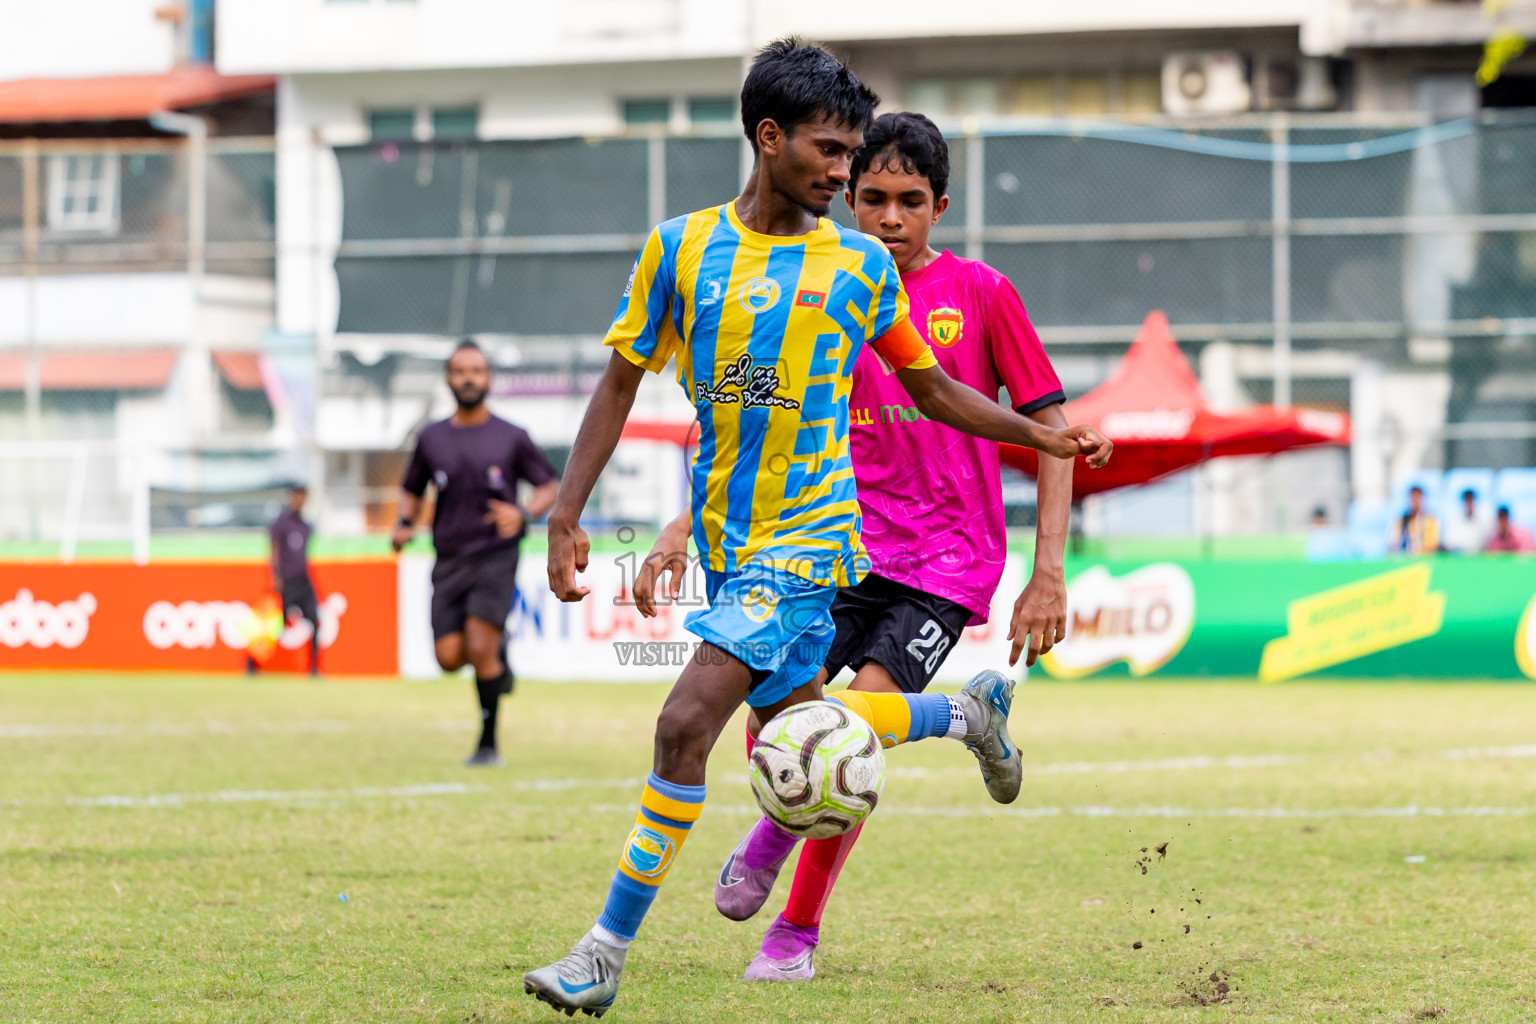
(479, 583)
(299, 597)
(905, 631)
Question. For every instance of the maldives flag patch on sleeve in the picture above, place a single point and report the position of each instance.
(815, 300)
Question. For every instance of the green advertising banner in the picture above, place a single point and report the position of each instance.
(1278, 620)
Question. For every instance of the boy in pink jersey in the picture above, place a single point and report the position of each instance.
(932, 512)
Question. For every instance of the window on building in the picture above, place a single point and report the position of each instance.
(645, 113)
(455, 122)
(82, 192)
(393, 125)
(711, 110)
(978, 97)
(1142, 93)
(243, 410)
(1031, 96)
(1087, 95)
(1048, 94)
(928, 97)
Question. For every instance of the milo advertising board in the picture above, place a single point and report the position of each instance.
(1446, 617)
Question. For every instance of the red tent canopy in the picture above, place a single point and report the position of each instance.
(1152, 408)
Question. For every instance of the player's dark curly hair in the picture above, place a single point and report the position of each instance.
(792, 82)
(908, 142)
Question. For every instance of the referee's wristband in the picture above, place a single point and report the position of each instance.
(404, 522)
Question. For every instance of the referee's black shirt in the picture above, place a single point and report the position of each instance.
(471, 466)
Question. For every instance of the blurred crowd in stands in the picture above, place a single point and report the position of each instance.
(1467, 529)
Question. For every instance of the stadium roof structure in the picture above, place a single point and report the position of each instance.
(1152, 408)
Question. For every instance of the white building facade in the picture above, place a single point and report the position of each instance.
(136, 255)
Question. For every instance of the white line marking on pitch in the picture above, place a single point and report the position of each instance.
(1143, 812)
(249, 796)
(52, 730)
(1192, 762)
(1200, 762)
(240, 796)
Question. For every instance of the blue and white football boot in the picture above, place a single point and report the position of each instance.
(585, 979)
(986, 700)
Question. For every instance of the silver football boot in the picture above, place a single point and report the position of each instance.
(585, 979)
(986, 700)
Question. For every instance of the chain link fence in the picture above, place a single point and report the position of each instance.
(129, 205)
(1384, 235)
(1312, 246)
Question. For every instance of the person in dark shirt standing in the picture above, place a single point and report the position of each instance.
(290, 568)
(475, 460)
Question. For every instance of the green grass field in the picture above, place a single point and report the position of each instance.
(176, 849)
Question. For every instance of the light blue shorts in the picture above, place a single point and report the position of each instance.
(777, 624)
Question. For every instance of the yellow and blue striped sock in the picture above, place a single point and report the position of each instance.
(667, 813)
(900, 717)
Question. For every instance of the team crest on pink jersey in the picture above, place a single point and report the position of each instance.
(944, 325)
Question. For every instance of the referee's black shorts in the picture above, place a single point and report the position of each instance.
(479, 583)
(299, 596)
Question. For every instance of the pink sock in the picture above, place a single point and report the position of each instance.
(786, 941)
(769, 843)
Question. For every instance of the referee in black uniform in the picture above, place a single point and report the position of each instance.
(475, 460)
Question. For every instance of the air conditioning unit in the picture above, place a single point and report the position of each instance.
(1209, 82)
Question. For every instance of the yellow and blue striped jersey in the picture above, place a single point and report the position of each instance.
(765, 329)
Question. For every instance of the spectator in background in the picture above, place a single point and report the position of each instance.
(290, 569)
(1468, 530)
(1509, 537)
(1419, 532)
(1319, 517)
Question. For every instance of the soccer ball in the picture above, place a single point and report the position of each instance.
(817, 769)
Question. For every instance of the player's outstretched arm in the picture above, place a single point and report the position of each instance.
(1040, 613)
(941, 398)
(669, 555)
(600, 429)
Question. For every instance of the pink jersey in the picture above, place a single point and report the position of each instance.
(931, 496)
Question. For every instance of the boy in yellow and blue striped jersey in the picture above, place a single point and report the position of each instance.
(764, 305)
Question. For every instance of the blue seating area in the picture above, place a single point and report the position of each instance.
(1367, 531)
